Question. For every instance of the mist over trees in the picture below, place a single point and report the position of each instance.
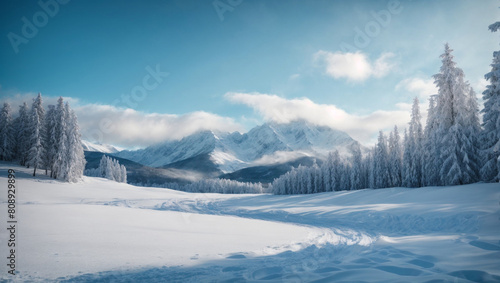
(452, 149)
(41, 140)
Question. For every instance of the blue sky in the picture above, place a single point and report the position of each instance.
(235, 69)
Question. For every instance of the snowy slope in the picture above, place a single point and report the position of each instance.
(266, 144)
(98, 230)
(104, 148)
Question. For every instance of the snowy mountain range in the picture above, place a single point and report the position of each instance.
(267, 144)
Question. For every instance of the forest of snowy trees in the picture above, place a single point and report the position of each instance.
(109, 168)
(48, 141)
(452, 149)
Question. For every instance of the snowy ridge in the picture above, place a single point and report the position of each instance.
(265, 144)
(105, 148)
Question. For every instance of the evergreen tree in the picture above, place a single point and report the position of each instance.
(413, 146)
(336, 171)
(406, 172)
(431, 147)
(356, 169)
(395, 158)
(327, 172)
(51, 139)
(371, 168)
(60, 162)
(471, 146)
(23, 134)
(381, 159)
(344, 176)
(490, 136)
(75, 155)
(453, 120)
(7, 136)
(36, 152)
(124, 173)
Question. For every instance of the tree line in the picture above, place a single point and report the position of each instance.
(220, 186)
(46, 140)
(452, 148)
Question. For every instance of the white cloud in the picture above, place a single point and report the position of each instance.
(130, 128)
(281, 110)
(423, 88)
(383, 65)
(279, 157)
(354, 66)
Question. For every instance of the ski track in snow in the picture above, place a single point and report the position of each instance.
(449, 234)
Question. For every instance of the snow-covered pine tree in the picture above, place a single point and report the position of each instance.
(453, 119)
(117, 171)
(317, 179)
(356, 169)
(430, 147)
(471, 146)
(103, 164)
(336, 171)
(342, 178)
(366, 171)
(110, 169)
(60, 163)
(123, 173)
(371, 168)
(75, 154)
(309, 186)
(326, 169)
(395, 158)
(23, 133)
(490, 135)
(381, 162)
(413, 146)
(347, 173)
(36, 150)
(390, 144)
(51, 139)
(7, 135)
(407, 148)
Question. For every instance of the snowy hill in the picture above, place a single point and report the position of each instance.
(105, 148)
(104, 231)
(269, 143)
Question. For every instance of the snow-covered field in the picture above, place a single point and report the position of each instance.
(98, 230)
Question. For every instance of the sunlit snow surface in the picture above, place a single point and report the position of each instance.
(98, 230)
